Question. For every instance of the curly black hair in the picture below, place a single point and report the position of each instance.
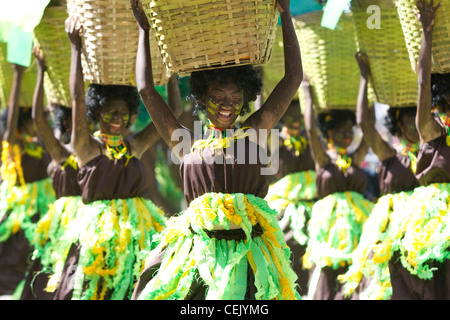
(24, 116)
(333, 119)
(394, 115)
(245, 77)
(98, 95)
(440, 91)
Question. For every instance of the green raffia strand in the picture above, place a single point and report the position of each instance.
(129, 261)
(426, 203)
(331, 215)
(295, 193)
(21, 203)
(375, 232)
(52, 248)
(220, 264)
(166, 184)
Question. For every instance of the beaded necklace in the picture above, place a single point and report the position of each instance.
(115, 146)
(410, 149)
(446, 121)
(30, 147)
(344, 161)
(296, 142)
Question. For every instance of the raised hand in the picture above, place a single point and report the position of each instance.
(425, 14)
(39, 56)
(73, 29)
(363, 63)
(139, 14)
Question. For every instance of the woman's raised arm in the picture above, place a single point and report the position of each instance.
(162, 117)
(279, 100)
(57, 151)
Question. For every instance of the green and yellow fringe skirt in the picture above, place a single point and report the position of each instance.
(53, 238)
(20, 204)
(191, 251)
(294, 196)
(335, 228)
(115, 236)
(371, 258)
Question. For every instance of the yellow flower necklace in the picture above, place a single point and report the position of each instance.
(410, 149)
(115, 146)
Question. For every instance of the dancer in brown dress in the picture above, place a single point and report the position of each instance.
(293, 191)
(116, 224)
(339, 214)
(26, 189)
(227, 244)
(368, 277)
(420, 266)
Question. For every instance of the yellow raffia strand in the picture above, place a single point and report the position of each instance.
(228, 209)
(11, 168)
(343, 164)
(286, 291)
(382, 252)
(219, 143)
(125, 235)
(98, 264)
(269, 231)
(250, 212)
(43, 226)
(16, 227)
(71, 161)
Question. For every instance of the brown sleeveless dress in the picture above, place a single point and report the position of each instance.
(16, 251)
(65, 184)
(433, 166)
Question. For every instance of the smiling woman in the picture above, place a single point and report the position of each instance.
(118, 218)
(227, 244)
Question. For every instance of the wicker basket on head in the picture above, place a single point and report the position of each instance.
(392, 79)
(199, 34)
(412, 29)
(110, 39)
(6, 80)
(328, 58)
(51, 36)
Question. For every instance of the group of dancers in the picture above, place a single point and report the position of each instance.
(78, 218)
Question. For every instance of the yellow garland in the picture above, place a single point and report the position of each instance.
(71, 161)
(219, 143)
(11, 168)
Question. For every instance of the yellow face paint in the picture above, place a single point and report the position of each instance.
(209, 109)
(212, 104)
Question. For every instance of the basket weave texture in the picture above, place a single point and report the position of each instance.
(6, 81)
(328, 58)
(412, 29)
(110, 39)
(52, 39)
(392, 79)
(208, 34)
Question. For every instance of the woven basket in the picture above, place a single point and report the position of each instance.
(110, 39)
(6, 80)
(328, 58)
(199, 34)
(412, 29)
(52, 38)
(392, 79)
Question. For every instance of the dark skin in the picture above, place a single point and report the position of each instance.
(365, 117)
(429, 129)
(342, 137)
(85, 145)
(57, 150)
(10, 134)
(226, 97)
